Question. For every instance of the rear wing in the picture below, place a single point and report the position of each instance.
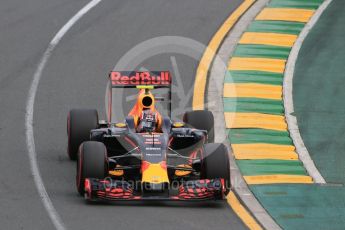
(141, 80)
(134, 79)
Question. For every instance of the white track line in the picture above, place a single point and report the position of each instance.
(288, 98)
(30, 141)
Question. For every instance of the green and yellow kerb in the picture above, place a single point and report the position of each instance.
(253, 102)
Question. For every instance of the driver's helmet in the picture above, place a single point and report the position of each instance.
(147, 121)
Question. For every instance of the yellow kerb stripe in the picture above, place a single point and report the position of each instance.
(253, 90)
(249, 221)
(264, 151)
(208, 56)
(255, 120)
(278, 179)
(259, 64)
(286, 40)
(285, 14)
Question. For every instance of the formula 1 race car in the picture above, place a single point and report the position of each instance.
(147, 156)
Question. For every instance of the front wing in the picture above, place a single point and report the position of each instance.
(117, 190)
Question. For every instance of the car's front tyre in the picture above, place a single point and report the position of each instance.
(79, 124)
(92, 163)
(215, 164)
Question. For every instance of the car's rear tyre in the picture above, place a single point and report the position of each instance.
(215, 163)
(79, 124)
(201, 119)
(92, 163)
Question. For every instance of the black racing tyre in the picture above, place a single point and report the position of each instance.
(79, 124)
(201, 119)
(92, 163)
(215, 163)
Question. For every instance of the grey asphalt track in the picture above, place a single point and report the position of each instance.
(75, 77)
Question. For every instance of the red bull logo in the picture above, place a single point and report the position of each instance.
(127, 78)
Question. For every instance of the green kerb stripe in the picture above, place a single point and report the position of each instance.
(276, 27)
(262, 51)
(247, 136)
(304, 4)
(253, 77)
(254, 105)
(270, 167)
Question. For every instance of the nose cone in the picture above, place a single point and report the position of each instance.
(154, 173)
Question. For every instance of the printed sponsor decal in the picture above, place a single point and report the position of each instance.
(128, 78)
(153, 154)
(151, 135)
(151, 142)
(184, 135)
(153, 149)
